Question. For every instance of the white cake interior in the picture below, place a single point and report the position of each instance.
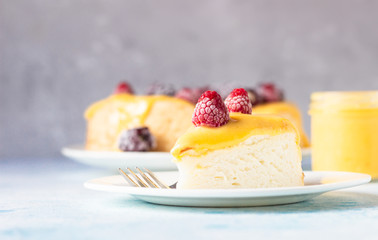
(261, 161)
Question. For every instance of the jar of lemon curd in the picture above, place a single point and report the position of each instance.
(344, 131)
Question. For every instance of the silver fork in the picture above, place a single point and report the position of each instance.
(145, 179)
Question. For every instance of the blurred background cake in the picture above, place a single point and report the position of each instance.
(128, 122)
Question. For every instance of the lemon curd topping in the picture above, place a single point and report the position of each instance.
(238, 129)
(345, 131)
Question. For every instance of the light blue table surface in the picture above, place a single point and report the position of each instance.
(45, 199)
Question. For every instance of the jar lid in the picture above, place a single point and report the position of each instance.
(343, 101)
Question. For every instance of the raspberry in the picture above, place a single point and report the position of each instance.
(161, 89)
(238, 101)
(136, 139)
(191, 94)
(253, 96)
(210, 111)
(270, 93)
(123, 87)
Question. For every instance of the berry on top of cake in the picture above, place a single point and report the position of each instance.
(210, 110)
(136, 140)
(123, 87)
(238, 101)
(246, 151)
(270, 93)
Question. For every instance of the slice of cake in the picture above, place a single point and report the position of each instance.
(237, 150)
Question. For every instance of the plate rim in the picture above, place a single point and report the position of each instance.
(231, 193)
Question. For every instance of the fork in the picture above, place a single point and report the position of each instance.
(144, 179)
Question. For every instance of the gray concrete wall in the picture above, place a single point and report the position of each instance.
(56, 57)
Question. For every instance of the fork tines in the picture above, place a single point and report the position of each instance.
(144, 178)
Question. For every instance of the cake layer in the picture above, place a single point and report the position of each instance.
(166, 117)
(260, 161)
(198, 141)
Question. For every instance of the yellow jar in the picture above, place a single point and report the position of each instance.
(344, 131)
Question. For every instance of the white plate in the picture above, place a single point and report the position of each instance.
(155, 161)
(316, 183)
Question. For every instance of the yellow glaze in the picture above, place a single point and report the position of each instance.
(238, 129)
(133, 109)
(140, 105)
(344, 133)
(286, 110)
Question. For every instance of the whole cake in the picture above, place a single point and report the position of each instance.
(237, 149)
(127, 122)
